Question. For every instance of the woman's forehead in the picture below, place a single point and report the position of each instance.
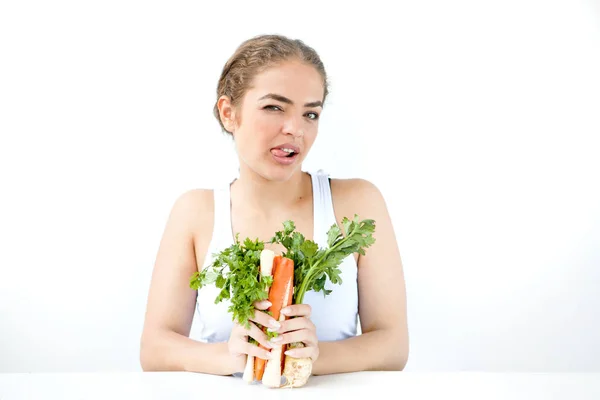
(296, 81)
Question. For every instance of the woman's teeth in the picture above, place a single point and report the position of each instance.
(283, 152)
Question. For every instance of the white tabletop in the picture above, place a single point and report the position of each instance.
(397, 385)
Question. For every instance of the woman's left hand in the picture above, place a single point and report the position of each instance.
(298, 329)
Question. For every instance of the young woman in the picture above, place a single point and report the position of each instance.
(269, 98)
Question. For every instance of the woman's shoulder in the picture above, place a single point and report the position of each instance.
(356, 196)
(194, 208)
(195, 200)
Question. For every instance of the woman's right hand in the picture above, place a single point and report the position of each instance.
(238, 345)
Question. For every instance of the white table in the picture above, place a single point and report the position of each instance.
(364, 385)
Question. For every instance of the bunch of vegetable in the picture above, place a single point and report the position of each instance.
(246, 272)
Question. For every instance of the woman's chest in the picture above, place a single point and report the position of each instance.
(254, 225)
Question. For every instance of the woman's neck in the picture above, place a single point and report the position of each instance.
(265, 196)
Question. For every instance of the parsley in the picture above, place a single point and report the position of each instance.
(236, 271)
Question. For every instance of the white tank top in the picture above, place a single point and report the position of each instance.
(335, 316)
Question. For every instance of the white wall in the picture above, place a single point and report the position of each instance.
(478, 120)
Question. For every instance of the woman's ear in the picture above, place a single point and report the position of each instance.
(226, 113)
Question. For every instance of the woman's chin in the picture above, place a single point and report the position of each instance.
(277, 173)
(273, 171)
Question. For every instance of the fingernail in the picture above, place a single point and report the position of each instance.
(274, 324)
(276, 339)
(285, 311)
(290, 353)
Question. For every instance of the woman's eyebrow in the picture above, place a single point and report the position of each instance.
(284, 99)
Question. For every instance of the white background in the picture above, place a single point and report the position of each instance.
(478, 120)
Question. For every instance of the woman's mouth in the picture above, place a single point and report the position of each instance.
(284, 155)
(283, 152)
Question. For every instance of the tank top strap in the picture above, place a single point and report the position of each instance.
(324, 216)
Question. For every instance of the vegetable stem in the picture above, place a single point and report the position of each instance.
(299, 297)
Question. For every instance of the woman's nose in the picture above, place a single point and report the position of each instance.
(293, 126)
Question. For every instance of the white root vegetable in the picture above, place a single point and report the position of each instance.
(266, 269)
(266, 262)
(249, 370)
(272, 375)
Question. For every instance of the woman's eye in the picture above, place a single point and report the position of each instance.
(310, 115)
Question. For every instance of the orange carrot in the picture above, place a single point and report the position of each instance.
(259, 365)
(283, 278)
(283, 271)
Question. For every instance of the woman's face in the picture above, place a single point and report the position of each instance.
(277, 121)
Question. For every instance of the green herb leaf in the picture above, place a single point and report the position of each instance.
(309, 249)
(333, 235)
(235, 271)
(313, 266)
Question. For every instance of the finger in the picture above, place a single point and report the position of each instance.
(265, 320)
(254, 350)
(256, 333)
(303, 352)
(303, 335)
(295, 324)
(262, 305)
(242, 331)
(297, 310)
(262, 318)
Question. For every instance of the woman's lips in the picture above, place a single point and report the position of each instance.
(283, 157)
(279, 153)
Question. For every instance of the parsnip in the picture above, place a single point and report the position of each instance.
(266, 262)
(272, 375)
(249, 370)
(266, 269)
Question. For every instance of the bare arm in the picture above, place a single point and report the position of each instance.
(165, 342)
(383, 344)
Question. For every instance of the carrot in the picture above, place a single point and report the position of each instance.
(280, 296)
(283, 272)
(267, 265)
(259, 364)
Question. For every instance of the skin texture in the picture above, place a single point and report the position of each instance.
(273, 193)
